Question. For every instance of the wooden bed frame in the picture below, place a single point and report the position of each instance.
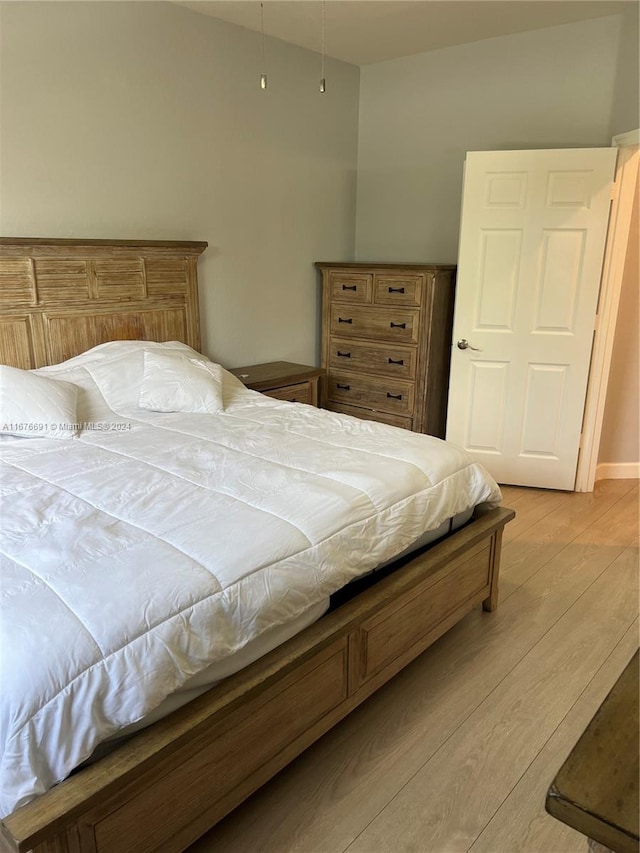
(172, 782)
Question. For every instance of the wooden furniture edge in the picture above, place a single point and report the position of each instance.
(62, 819)
(591, 826)
(590, 809)
(22, 245)
(298, 373)
(380, 266)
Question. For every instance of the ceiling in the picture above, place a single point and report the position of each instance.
(366, 31)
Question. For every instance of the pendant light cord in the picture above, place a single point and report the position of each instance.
(322, 78)
(263, 75)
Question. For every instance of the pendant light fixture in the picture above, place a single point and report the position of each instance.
(263, 75)
(323, 85)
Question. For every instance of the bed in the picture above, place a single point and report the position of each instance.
(137, 491)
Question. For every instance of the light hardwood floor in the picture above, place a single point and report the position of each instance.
(456, 753)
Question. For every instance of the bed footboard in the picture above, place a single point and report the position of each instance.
(173, 781)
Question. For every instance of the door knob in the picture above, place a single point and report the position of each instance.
(463, 343)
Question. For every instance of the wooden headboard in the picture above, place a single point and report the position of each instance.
(59, 298)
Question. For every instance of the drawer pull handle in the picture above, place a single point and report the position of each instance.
(344, 354)
(349, 286)
(340, 320)
(394, 360)
(394, 396)
(396, 290)
(343, 387)
(398, 325)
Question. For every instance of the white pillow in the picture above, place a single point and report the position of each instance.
(33, 406)
(173, 383)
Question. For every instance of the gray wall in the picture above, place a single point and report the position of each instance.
(574, 85)
(145, 120)
(550, 88)
(626, 100)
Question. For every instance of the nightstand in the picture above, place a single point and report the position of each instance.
(283, 380)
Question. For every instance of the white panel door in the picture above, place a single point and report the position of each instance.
(533, 231)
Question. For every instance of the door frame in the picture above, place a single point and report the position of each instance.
(623, 193)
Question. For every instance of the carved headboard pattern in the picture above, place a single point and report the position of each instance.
(58, 298)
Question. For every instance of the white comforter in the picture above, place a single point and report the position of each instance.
(137, 554)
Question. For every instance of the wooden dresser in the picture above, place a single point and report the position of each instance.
(386, 342)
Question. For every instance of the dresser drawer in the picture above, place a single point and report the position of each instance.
(351, 287)
(385, 395)
(302, 392)
(398, 290)
(381, 324)
(386, 359)
(370, 415)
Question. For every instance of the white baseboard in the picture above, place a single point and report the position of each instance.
(618, 471)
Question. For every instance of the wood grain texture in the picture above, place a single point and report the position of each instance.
(61, 297)
(370, 415)
(301, 392)
(394, 396)
(453, 712)
(505, 733)
(263, 728)
(283, 380)
(520, 825)
(351, 287)
(382, 322)
(396, 325)
(540, 542)
(386, 360)
(596, 789)
(398, 289)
